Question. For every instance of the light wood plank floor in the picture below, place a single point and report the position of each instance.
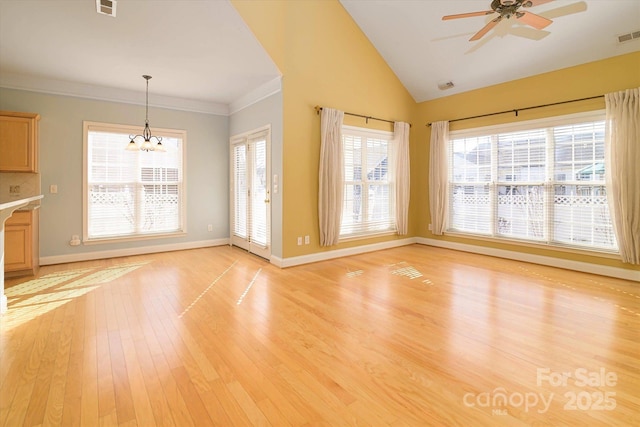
(412, 336)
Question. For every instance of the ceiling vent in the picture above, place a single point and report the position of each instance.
(629, 36)
(445, 85)
(106, 7)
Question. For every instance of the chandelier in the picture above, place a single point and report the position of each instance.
(146, 145)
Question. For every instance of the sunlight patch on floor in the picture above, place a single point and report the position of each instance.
(38, 296)
(406, 270)
(45, 282)
(207, 289)
(355, 273)
(248, 287)
(104, 275)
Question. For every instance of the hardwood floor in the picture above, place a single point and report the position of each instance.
(411, 336)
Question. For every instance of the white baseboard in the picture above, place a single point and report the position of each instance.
(603, 270)
(87, 256)
(586, 267)
(338, 253)
(277, 261)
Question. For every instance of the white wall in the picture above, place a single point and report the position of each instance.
(61, 139)
(266, 111)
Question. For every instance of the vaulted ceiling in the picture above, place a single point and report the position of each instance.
(203, 51)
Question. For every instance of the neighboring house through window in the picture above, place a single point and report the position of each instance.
(368, 206)
(539, 181)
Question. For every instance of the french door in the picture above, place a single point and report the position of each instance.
(250, 192)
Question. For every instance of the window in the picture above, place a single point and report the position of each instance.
(131, 194)
(368, 206)
(539, 181)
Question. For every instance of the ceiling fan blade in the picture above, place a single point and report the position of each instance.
(536, 21)
(467, 15)
(534, 2)
(485, 29)
(569, 9)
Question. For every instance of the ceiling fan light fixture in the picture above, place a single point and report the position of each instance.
(505, 9)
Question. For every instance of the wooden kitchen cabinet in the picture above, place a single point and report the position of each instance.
(18, 142)
(21, 244)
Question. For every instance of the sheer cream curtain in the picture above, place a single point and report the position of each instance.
(402, 176)
(622, 169)
(331, 173)
(439, 177)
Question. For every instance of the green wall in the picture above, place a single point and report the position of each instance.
(61, 161)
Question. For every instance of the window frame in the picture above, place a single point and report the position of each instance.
(91, 126)
(375, 134)
(548, 183)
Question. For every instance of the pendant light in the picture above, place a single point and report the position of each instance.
(146, 145)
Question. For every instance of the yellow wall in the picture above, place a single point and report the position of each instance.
(325, 60)
(592, 79)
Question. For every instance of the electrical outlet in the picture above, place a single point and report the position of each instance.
(53, 189)
(299, 240)
(306, 240)
(75, 240)
(14, 189)
(430, 227)
(210, 227)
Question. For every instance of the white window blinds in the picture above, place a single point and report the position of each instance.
(240, 189)
(368, 206)
(541, 184)
(127, 193)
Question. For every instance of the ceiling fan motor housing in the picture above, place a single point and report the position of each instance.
(508, 8)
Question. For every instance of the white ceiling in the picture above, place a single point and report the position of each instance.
(423, 50)
(195, 50)
(202, 51)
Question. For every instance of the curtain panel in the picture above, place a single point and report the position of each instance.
(331, 180)
(402, 176)
(622, 170)
(439, 177)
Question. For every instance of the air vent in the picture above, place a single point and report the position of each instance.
(634, 35)
(445, 85)
(106, 7)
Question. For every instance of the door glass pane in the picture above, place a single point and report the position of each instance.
(259, 194)
(240, 190)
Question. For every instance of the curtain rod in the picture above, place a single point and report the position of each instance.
(319, 108)
(523, 109)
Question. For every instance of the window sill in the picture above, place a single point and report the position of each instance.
(106, 240)
(541, 245)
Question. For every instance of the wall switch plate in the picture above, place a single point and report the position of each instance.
(306, 240)
(53, 189)
(299, 240)
(210, 227)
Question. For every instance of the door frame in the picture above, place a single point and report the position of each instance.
(248, 244)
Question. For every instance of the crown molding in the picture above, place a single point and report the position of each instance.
(102, 93)
(266, 90)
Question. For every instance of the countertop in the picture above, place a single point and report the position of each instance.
(19, 203)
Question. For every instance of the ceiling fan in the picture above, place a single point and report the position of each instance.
(506, 9)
